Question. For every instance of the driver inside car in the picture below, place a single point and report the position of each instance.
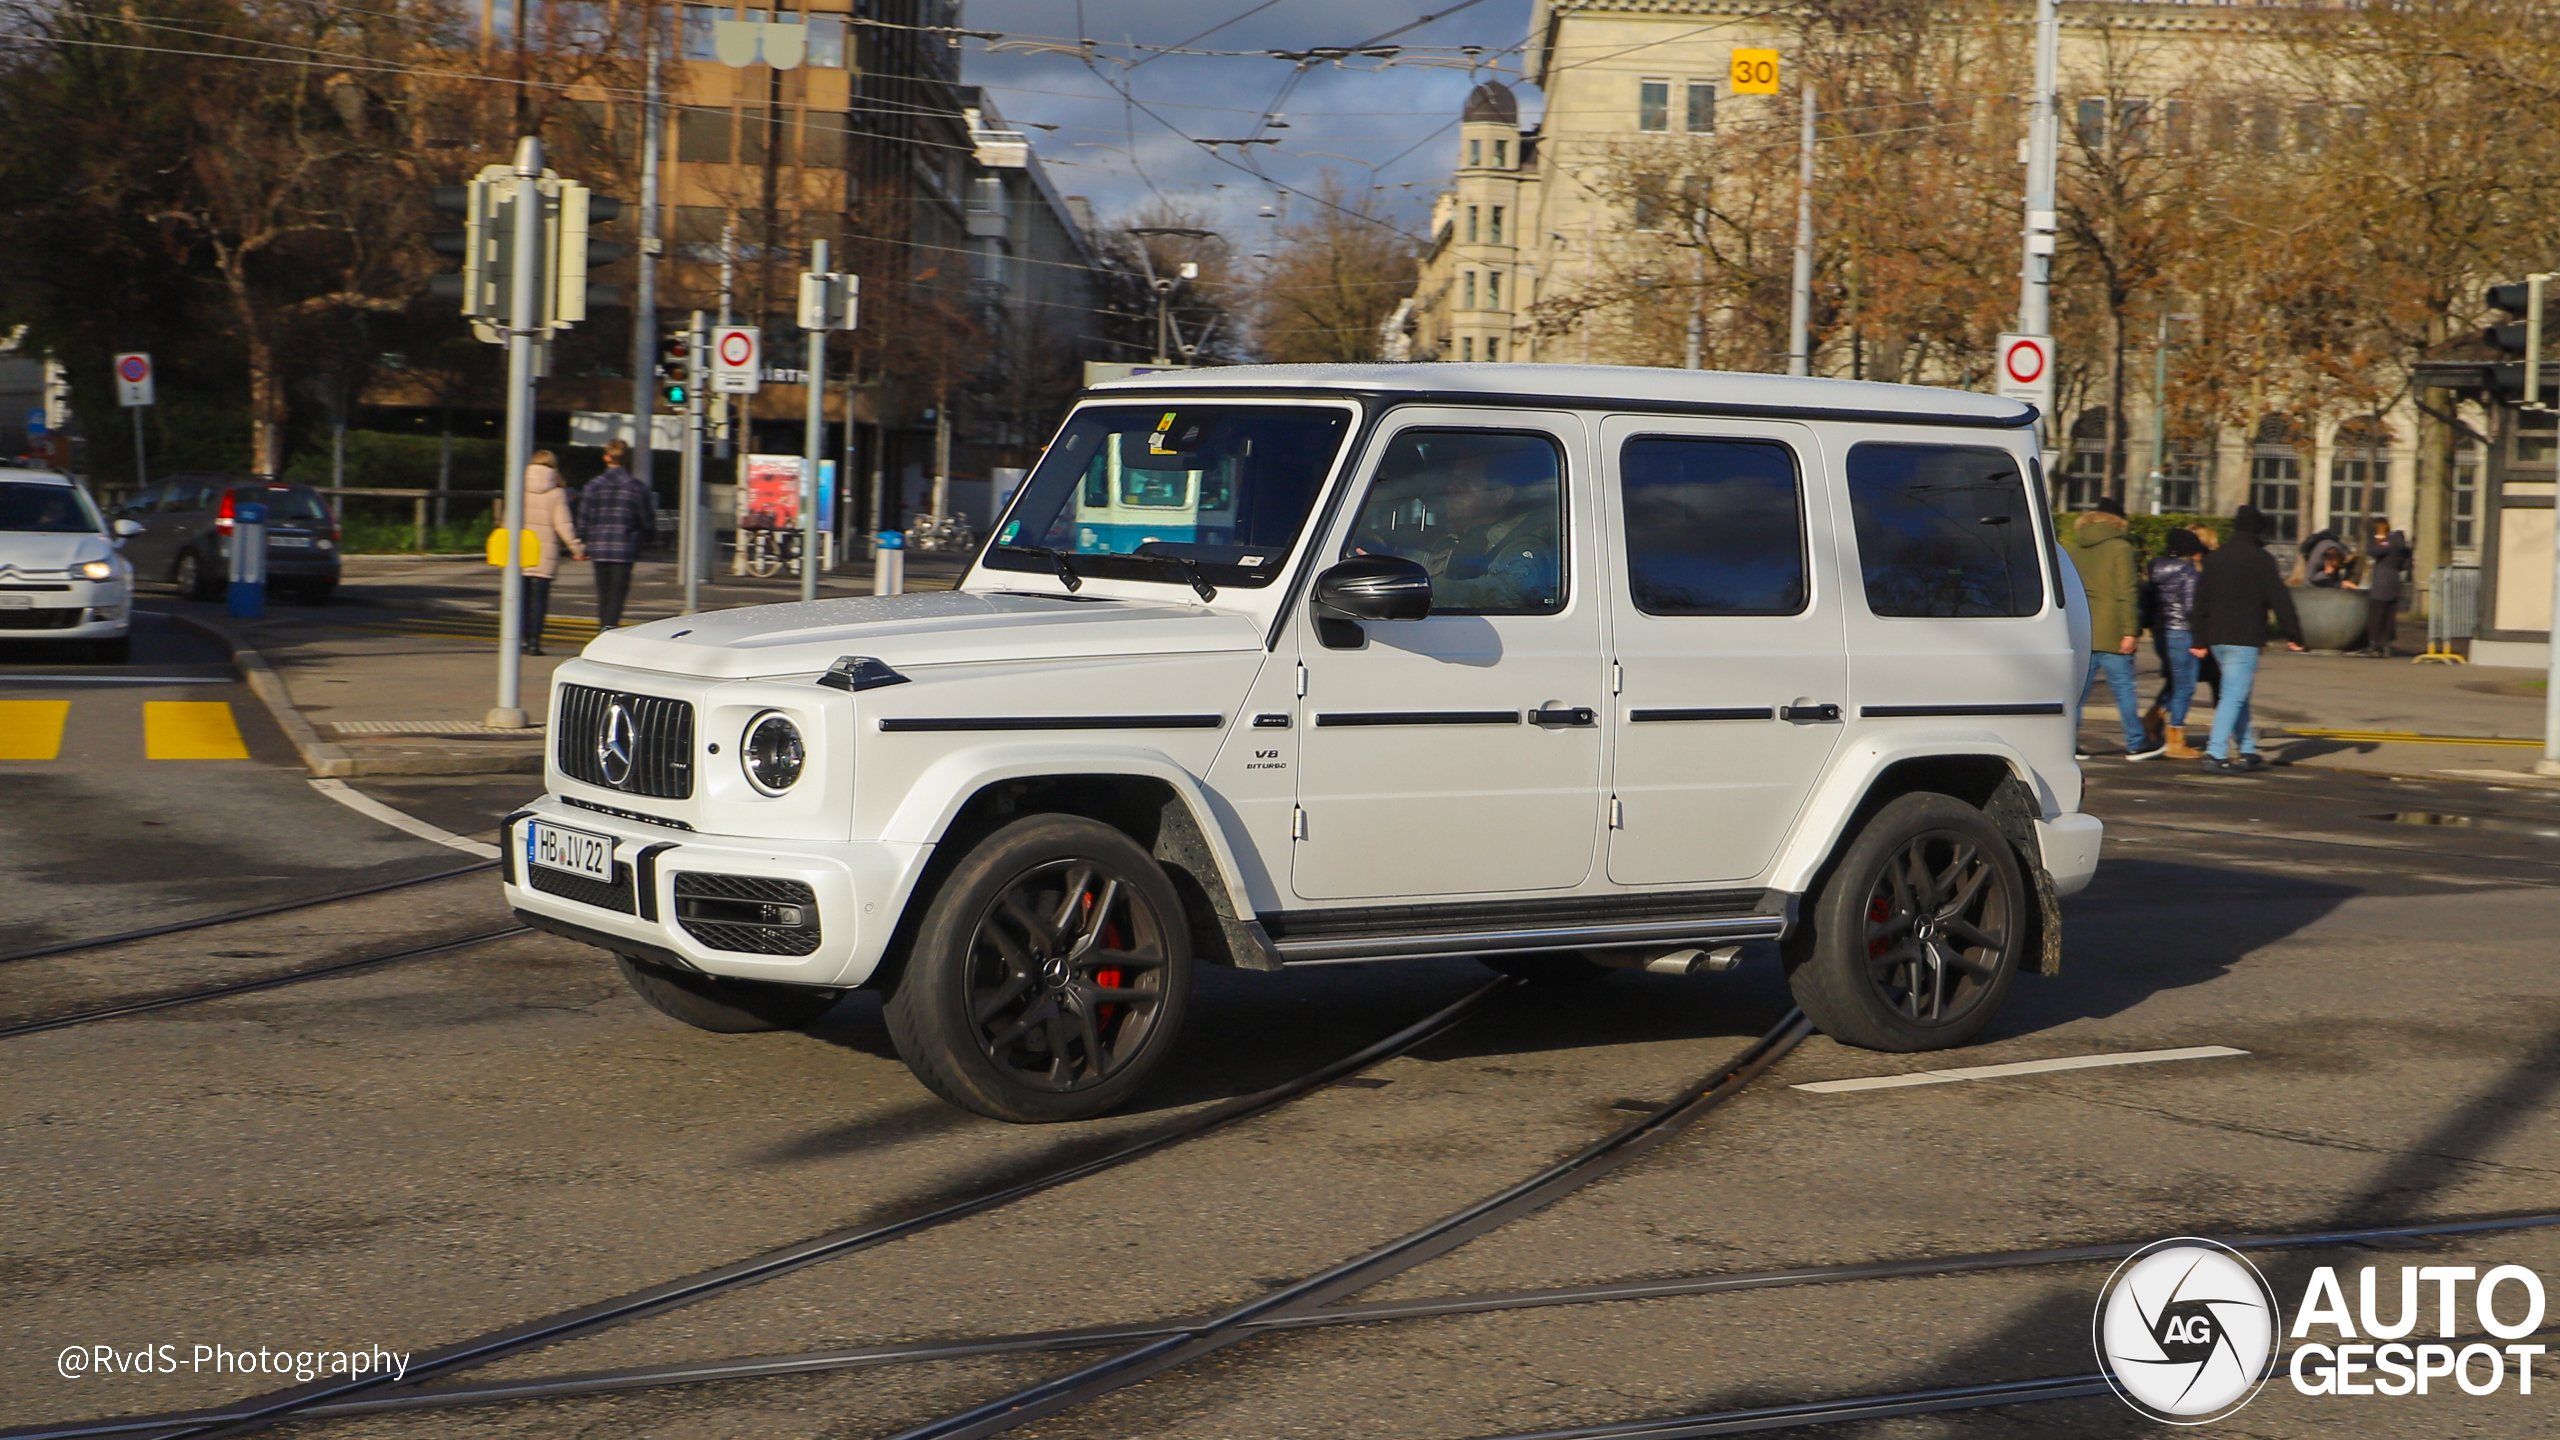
(1491, 540)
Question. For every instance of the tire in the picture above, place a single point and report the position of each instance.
(1547, 969)
(112, 652)
(1006, 1006)
(194, 578)
(724, 1006)
(1919, 932)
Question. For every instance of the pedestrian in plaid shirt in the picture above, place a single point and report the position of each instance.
(618, 517)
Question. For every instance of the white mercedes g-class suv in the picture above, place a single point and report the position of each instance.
(1561, 667)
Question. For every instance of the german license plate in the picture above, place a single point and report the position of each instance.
(289, 542)
(574, 851)
(17, 602)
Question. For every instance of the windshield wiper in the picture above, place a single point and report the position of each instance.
(1067, 575)
(1200, 585)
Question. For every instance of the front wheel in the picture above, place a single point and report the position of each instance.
(724, 1006)
(1919, 932)
(1048, 978)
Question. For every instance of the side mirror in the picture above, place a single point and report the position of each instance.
(1376, 587)
(126, 529)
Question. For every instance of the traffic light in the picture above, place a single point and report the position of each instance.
(485, 289)
(2516, 299)
(569, 209)
(676, 370)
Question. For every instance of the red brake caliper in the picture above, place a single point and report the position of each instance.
(1878, 912)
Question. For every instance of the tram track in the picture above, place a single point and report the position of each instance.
(332, 1396)
(233, 917)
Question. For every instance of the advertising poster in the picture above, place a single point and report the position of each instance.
(772, 497)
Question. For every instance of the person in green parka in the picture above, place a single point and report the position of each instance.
(2102, 550)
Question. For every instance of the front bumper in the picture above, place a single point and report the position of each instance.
(84, 610)
(856, 890)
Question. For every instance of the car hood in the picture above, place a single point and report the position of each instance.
(907, 631)
(26, 550)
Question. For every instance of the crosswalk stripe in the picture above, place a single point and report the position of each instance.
(191, 730)
(32, 729)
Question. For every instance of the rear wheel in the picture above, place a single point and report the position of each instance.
(1919, 932)
(724, 1006)
(1048, 978)
(194, 578)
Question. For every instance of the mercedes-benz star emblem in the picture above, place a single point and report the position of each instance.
(615, 740)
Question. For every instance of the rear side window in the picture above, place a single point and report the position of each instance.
(290, 506)
(1714, 527)
(1944, 531)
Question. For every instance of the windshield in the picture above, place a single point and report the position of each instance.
(47, 509)
(1225, 486)
(286, 506)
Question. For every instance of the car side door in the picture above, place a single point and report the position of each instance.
(1726, 636)
(1458, 753)
(145, 552)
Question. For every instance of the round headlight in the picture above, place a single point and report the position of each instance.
(772, 754)
(99, 570)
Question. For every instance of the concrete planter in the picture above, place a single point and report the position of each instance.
(2331, 619)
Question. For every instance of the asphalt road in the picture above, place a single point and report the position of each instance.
(423, 1152)
(160, 790)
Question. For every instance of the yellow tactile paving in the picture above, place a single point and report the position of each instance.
(191, 730)
(32, 729)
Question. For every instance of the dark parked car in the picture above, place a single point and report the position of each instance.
(186, 534)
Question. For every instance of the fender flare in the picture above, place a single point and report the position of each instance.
(936, 797)
(1853, 774)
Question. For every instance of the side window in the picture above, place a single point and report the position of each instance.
(143, 502)
(1482, 510)
(188, 496)
(1944, 531)
(1714, 527)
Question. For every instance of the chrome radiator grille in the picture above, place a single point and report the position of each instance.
(637, 744)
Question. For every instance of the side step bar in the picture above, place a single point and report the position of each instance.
(1724, 929)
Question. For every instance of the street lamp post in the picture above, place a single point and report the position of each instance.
(1165, 285)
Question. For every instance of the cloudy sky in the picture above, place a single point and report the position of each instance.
(1128, 119)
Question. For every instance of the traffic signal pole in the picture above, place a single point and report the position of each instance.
(689, 515)
(814, 447)
(644, 299)
(524, 321)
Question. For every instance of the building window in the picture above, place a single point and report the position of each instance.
(2093, 124)
(2266, 128)
(1702, 107)
(2180, 122)
(822, 139)
(2084, 468)
(2181, 482)
(702, 136)
(1492, 348)
(697, 29)
(1467, 290)
(826, 41)
(1495, 229)
(2537, 436)
(2466, 494)
(2311, 128)
(1475, 153)
(2359, 478)
(1467, 348)
(1492, 292)
(2275, 487)
(1653, 105)
(1501, 154)
(1471, 224)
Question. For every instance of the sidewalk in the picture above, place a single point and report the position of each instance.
(398, 673)
(2367, 701)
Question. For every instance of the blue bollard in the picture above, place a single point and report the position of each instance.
(248, 560)
(889, 564)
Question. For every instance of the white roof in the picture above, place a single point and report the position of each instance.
(1598, 385)
(56, 476)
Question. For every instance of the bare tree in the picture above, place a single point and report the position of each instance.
(1332, 281)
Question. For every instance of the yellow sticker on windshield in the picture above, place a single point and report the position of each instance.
(1155, 442)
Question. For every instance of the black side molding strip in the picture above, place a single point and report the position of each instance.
(1917, 712)
(1746, 712)
(1053, 722)
(1420, 717)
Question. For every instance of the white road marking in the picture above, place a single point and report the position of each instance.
(364, 804)
(2022, 1067)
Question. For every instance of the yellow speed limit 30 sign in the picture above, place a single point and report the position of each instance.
(1755, 72)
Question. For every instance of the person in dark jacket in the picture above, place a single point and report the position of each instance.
(2237, 587)
(2173, 595)
(2386, 587)
(618, 516)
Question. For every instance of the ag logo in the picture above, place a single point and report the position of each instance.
(2186, 1331)
(614, 743)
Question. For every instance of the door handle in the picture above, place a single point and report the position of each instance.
(1809, 712)
(1576, 715)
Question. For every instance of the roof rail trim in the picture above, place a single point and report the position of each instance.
(1148, 394)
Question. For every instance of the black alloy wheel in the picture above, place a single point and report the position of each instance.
(1048, 977)
(1919, 932)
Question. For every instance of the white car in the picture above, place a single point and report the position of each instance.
(1565, 668)
(61, 580)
